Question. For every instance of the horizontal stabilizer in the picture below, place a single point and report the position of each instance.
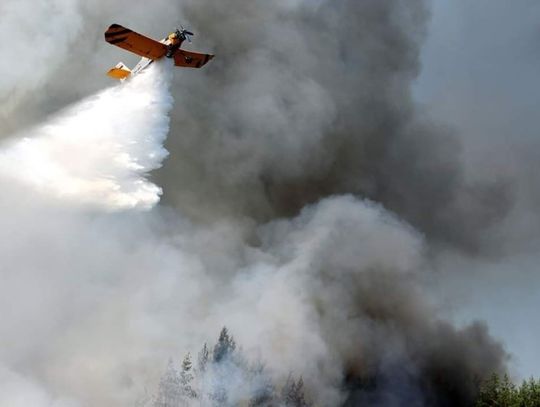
(191, 59)
(120, 71)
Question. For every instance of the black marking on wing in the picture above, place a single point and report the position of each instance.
(117, 40)
(115, 33)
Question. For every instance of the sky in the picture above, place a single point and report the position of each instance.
(479, 75)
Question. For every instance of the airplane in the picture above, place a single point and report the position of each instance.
(151, 50)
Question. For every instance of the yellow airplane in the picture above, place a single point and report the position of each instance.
(151, 50)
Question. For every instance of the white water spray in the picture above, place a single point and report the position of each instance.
(98, 152)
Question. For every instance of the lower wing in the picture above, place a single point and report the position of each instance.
(190, 59)
(134, 42)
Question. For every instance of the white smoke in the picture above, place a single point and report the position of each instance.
(35, 40)
(17, 391)
(102, 301)
(99, 151)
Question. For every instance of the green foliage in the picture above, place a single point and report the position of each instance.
(501, 392)
(529, 393)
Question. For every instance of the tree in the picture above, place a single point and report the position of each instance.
(224, 346)
(169, 392)
(501, 392)
(264, 395)
(292, 394)
(203, 358)
(186, 377)
(529, 393)
(224, 376)
(262, 388)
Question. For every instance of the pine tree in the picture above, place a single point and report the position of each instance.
(222, 363)
(203, 358)
(497, 391)
(224, 347)
(186, 377)
(529, 393)
(225, 377)
(292, 394)
(169, 392)
(264, 394)
(262, 388)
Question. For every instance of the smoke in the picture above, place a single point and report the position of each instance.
(339, 119)
(16, 391)
(24, 65)
(305, 198)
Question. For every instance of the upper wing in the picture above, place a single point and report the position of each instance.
(191, 59)
(139, 44)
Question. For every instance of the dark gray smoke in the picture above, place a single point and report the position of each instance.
(304, 198)
(313, 99)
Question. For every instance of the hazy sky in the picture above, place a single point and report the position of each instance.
(480, 67)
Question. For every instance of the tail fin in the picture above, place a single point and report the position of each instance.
(120, 71)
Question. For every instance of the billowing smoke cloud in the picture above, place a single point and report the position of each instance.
(311, 99)
(331, 294)
(303, 199)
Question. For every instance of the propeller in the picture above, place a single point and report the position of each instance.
(185, 33)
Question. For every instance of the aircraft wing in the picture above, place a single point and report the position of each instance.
(134, 42)
(191, 59)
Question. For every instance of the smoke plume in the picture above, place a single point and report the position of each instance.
(306, 199)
